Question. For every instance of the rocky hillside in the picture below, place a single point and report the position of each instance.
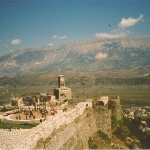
(124, 54)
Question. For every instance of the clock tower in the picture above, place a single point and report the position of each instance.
(61, 81)
(62, 92)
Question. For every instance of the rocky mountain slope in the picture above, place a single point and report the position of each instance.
(92, 55)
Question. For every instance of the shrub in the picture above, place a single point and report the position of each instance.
(126, 121)
(104, 136)
(133, 143)
(114, 122)
(3, 109)
(92, 144)
(122, 131)
(62, 94)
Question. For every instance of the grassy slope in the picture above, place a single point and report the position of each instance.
(15, 125)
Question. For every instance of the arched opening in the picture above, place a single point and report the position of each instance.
(99, 103)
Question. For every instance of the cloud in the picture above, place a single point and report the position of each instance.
(101, 55)
(106, 35)
(59, 37)
(16, 42)
(120, 30)
(62, 37)
(50, 44)
(129, 22)
(55, 36)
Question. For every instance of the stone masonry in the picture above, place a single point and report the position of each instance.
(103, 119)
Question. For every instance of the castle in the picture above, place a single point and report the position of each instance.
(70, 129)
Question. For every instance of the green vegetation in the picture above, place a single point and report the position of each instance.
(99, 140)
(92, 144)
(127, 132)
(122, 131)
(123, 81)
(104, 136)
(16, 125)
(122, 135)
(133, 126)
(115, 123)
(120, 127)
(4, 109)
(62, 94)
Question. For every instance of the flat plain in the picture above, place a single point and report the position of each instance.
(133, 90)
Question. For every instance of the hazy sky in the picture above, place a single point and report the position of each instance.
(36, 23)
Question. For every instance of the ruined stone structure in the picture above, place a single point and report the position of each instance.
(62, 92)
(68, 130)
(116, 107)
(103, 100)
(104, 108)
(103, 119)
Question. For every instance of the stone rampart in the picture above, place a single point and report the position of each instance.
(66, 130)
(64, 122)
(73, 136)
(7, 136)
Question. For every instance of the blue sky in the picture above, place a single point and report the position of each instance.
(37, 23)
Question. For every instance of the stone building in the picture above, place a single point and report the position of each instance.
(62, 92)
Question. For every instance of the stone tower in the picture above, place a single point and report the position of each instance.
(117, 107)
(61, 81)
(103, 118)
(62, 92)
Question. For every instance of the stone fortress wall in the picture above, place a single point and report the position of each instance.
(67, 130)
(103, 119)
(7, 137)
(51, 129)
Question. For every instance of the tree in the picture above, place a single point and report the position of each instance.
(122, 131)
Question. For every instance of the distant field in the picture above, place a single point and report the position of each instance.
(129, 95)
(132, 90)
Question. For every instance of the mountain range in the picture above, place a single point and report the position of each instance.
(130, 55)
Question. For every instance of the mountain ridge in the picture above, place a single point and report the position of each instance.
(90, 55)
